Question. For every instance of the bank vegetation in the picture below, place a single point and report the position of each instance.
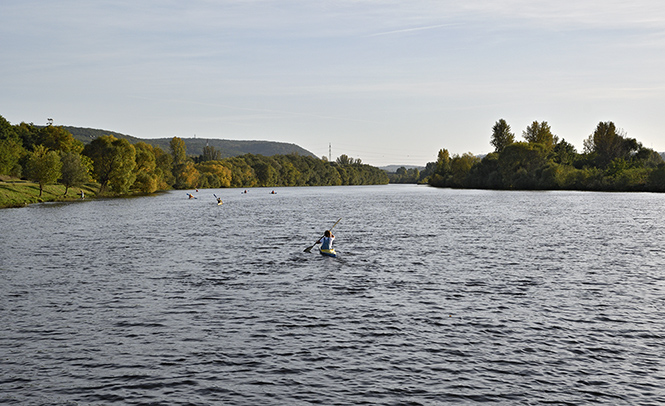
(33, 159)
(610, 161)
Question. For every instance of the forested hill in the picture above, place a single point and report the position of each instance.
(228, 148)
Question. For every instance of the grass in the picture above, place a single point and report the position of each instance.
(18, 193)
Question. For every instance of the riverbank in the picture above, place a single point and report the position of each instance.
(18, 193)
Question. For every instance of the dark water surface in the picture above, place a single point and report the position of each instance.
(438, 297)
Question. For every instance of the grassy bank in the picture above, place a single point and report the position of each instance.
(18, 193)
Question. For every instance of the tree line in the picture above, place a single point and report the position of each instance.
(50, 154)
(610, 161)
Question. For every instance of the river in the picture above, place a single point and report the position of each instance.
(438, 296)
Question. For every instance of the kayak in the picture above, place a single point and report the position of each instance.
(328, 253)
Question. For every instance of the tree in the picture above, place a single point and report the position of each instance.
(521, 165)
(443, 162)
(210, 154)
(501, 135)
(163, 169)
(564, 153)
(442, 171)
(146, 178)
(184, 172)
(186, 175)
(646, 158)
(58, 139)
(178, 151)
(266, 174)
(606, 144)
(540, 133)
(213, 174)
(11, 149)
(460, 167)
(486, 174)
(113, 162)
(29, 135)
(344, 160)
(656, 180)
(75, 169)
(43, 166)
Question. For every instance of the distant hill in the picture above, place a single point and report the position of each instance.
(394, 168)
(228, 148)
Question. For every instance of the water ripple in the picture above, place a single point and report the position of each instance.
(438, 297)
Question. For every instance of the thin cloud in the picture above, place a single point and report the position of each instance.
(406, 30)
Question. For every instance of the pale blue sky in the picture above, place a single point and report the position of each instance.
(390, 82)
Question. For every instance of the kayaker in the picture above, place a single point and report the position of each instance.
(219, 200)
(326, 241)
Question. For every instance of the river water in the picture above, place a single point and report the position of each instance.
(438, 296)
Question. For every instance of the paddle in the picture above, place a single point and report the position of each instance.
(309, 249)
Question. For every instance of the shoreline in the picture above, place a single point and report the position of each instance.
(15, 193)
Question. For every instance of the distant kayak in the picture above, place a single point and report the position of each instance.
(328, 253)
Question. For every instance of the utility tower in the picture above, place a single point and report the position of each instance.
(329, 152)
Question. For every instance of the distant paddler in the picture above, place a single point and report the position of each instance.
(191, 196)
(219, 200)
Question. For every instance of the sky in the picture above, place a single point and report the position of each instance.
(388, 82)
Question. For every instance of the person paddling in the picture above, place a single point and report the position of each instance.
(326, 241)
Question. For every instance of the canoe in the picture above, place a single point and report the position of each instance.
(328, 253)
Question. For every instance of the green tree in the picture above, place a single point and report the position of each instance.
(442, 172)
(540, 133)
(486, 174)
(501, 135)
(210, 154)
(58, 139)
(289, 174)
(29, 135)
(460, 167)
(607, 144)
(186, 175)
(11, 149)
(178, 151)
(214, 174)
(265, 172)
(43, 166)
(344, 160)
(521, 165)
(147, 179)
(656, 180)
(163, 169)
(564, 153)
(646, 158)
(113, 163)
(75, 169)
